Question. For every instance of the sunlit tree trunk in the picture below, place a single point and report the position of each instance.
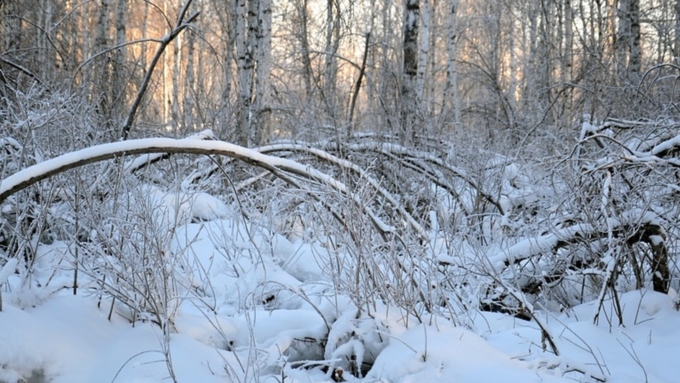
(102, 73)
(143, 48)
(176, 80)
(244, 61)
(305, 48)
(119, 77)
(568, 57)
(166, 75)
(423, 53)
(385, 91)
(189, 89)
(451, 100)
(228, 38)
(676, 41)
(330, 60)
(635, 60)
(46, 52)
(409, 96)
(262, 126)
(629, 54)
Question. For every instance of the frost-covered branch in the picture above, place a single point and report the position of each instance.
(49, 168)
(638, 227)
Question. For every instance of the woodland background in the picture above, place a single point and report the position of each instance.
(439, 158)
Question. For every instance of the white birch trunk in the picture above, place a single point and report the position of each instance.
(262, 130)
(228, 29)
(452, 99)
(409, 97)
(623, 36)
(189, 89)
(423, 53)
(635, 58)
(676, 40)
(629, 53)
(176, 74)
(244, 69)
(304, 41)
(101, 82)
(568, 61)
(118, 77)
(166, 74)
(330, 61)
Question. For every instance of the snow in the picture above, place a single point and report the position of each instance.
(68, 338)
(133, 165)
(247, 304)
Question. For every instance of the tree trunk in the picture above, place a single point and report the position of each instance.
(261, 128)
(244, 53)
(330, 61)
(629, 54)
(176, 80)
(189, 90)
(409, 96)
(451, 101)
(676, 40)
(304, 42)
(423, 53)
(229, 39)
(101, 82)
(568, 57)
(118, 81)
(635, 58)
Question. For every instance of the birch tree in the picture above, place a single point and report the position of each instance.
(262, 114)
(451, 100)
(330, 61)
(676, 40)
(409, 96)
(119, 79)
(244, 62)
(100, 88)
(629, 54)
(423, 53)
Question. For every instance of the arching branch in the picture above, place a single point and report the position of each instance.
(49, 168)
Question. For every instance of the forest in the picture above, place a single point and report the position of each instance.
(339, 190)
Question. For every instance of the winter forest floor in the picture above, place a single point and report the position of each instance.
(373, 263)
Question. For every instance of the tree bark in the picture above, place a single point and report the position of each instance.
(409, 97)
(304, 42)
(244, 64)
(423, 53)
(330, 60)
(676, 40)
(262, 129)
(101, 84)
(451, 101)
(118, 83)
(189, 89)
(629, 54)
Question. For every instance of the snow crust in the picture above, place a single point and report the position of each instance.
(231, 335)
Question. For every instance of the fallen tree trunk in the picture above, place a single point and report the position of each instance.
(638, 227)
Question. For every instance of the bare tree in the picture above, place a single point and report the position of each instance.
(262, 111)
(628, 39)
(451, 101)
(409, 93)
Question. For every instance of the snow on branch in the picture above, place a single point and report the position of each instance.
(348, 165)
(635, 226)
(46, 169)
(411, 155)
(147, 159)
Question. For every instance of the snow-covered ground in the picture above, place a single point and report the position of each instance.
(252, 305)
